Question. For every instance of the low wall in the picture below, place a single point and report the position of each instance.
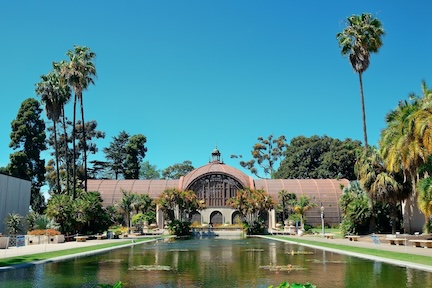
(44, 239)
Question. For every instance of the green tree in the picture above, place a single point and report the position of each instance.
(401, 148)
(424, 199)
(318, 157)
(380, 185)
(179, 205)
(79, 73)
(125, 206)
(54, 94)
(302, 205)
(266, 153)
(28, 137)
(355, 208)
(287, 201)
(125, 154)
(136, 151)
(116, 153)
(60, 209)
(14, 223)
(177, 170)
(361, 37)
(148, 171)
(250, 203)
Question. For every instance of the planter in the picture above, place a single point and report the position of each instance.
(44, 239)
(4, 242)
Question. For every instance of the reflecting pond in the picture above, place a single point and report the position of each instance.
(216, 262)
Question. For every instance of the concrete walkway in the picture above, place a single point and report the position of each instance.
(366, 242)
(44, 248)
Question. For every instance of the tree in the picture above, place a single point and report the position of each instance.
(380, 185)
(116, 153)
(177, 170)
(126, 206)
(54, 94)
(302, 205)
(28, 135)
(250, 203)
(318, 157)
(79, 73)
(425, 201)
(14, 223)
(136, 151)
(125, 154)
(148, 171)
(401, 149)
(266, 153)
(60, 209)
(355, 209)
(361, 37)
(288, 200)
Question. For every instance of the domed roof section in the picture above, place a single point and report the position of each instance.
(216, 168)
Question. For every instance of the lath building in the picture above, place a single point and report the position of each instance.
(217, 182)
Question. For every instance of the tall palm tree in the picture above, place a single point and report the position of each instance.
(361, 37)
(79, 74)
(58, 68)
(54, 94)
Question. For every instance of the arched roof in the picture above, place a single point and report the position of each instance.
(216, 167)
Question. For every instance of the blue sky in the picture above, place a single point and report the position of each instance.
(190, 75)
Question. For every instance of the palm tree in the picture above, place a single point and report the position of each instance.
(79, 74)
(54, 95)
(380, 184)
(425, 201)
(288, 200)
(402, 149)
(58, 68)
(302, 206)
(126, 206)
(361, 37)
(250, 203)
(60, 209)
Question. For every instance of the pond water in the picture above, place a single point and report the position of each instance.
(217, 262)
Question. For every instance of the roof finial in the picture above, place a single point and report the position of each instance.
(216, 155)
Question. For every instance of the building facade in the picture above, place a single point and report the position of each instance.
(14, 198)
(217, 182)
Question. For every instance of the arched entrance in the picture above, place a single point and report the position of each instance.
(216, 218)
(196, 218)
(236, 218)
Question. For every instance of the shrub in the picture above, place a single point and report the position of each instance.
(49, 232)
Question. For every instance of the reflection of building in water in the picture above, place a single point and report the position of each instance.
(217, 182)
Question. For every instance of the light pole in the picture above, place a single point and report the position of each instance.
(322, 220)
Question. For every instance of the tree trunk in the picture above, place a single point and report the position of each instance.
(57, 158)
(363, 111)
(74, 150)
(66, 145)
(84, 144)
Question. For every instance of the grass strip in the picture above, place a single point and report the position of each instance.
(16, 260)
(400, 256)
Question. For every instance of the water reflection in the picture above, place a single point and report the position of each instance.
(216, 263)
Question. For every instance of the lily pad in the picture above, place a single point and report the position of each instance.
(299, 253)
(254, 250)
(288, 267)
(151, 268)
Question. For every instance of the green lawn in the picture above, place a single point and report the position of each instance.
(47, 255)
(418, 259)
